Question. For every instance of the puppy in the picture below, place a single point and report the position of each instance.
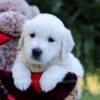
(45, 46)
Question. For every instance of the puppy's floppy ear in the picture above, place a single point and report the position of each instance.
(21, 43)
(67, 43)
(21, 40)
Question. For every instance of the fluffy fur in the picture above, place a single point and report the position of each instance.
(13, 13)
(56, 59)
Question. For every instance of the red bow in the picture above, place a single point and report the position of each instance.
(4, 38)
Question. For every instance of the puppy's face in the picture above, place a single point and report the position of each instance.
(41, 46)
(42, 39)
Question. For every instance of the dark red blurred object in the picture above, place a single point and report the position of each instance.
(62, 90)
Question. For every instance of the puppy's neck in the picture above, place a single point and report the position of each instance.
(35, 67)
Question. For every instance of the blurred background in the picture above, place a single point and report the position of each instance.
(82, 17)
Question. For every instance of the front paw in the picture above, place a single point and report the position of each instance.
(22, 83)
(21, 76)
(47, 83)
(51, 77)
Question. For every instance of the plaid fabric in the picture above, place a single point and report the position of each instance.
(63, 91)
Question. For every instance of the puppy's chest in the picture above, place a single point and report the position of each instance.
(37, 67)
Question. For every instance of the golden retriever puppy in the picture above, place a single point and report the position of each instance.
(45, 46)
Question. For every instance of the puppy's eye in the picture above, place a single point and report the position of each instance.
(32, 35)
(51, 39)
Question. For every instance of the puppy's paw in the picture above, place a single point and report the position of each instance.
(22, 76)
(51, 77)
(47, 83)
(22, 83)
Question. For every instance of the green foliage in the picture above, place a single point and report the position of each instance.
(90, 97)
(82, 17)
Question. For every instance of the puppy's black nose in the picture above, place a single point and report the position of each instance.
(36, 53)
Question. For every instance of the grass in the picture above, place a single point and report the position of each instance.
(90, 97)
(91, 90)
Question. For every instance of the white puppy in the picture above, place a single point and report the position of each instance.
(45, 45)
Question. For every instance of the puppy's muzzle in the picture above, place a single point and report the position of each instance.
(36, 53)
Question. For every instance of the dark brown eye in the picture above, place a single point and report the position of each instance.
(32, 35)
(51, 39)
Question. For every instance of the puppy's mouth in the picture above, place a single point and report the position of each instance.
(38, 60)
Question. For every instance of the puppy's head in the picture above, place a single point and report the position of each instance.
(45, 38)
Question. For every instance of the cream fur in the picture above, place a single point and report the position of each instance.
(56, 60)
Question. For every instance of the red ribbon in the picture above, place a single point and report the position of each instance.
(4, 38)
(35, 81)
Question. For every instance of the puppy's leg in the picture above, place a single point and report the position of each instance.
(51, 77)
(74, 65)
(21, 74)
